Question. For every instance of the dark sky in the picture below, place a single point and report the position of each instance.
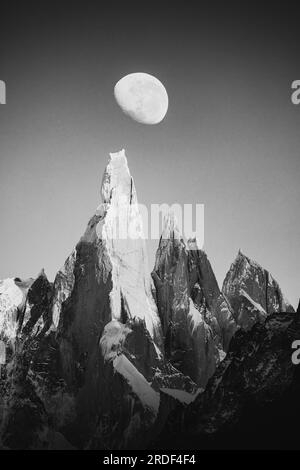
(230, 139)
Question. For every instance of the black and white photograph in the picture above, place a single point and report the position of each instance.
(150, 229)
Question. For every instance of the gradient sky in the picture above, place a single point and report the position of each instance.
(230, 140)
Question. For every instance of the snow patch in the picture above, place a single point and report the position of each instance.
(194, 316)
(11, 293)
(256, 305)
(158, 352)
(148, 396)
(113, 338)
(12, 299)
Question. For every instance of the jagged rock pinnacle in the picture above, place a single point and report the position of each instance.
(252, 292)
(93, 362)
(170, 227)
(117, 181)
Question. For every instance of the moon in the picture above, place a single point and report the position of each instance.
(142, 97)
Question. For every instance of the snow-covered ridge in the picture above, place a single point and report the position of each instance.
(122, 232)
(12, 301)
(256, 305)
(142, 389)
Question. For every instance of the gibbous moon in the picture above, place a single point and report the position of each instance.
(143, 97)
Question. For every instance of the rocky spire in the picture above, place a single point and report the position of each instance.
(170, 227)
(192, 336)
(122, 233)
(85, 363)
(204, 289)
(106, 324)
(252, 292)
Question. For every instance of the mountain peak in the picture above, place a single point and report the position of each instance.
(121, 230)
(118, 155)
(252, 292)
(101, 357)
(194, 244)
(117, 182)
(170, 226)
(241, 261)
(240, 255)
(42, 274)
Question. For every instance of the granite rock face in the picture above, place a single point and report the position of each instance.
(23, 419)
(170, 277)
(252, 399)
(252, 292)
(85, 363)
(106, 356)
(205, 291)
(197, 321)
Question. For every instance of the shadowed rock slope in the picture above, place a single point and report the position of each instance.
(103, 359)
